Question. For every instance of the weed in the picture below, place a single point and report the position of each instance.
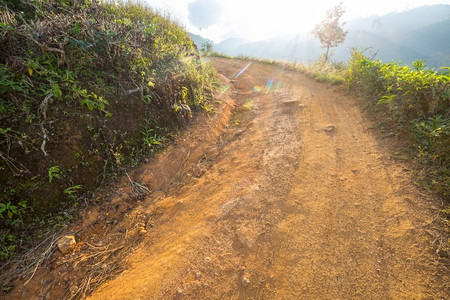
(54, 172)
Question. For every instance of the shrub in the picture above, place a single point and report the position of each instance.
(417, 100)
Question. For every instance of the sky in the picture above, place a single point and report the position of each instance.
(257, 20)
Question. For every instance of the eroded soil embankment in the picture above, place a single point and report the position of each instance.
(110, 231)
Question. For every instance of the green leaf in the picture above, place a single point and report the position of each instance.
(88, 103)
(57, 91)
(54, 172)
(72, 189)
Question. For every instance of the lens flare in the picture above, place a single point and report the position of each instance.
(257, 88)
(249, 104)
(269, 85)
(278, 86)
(242, 71)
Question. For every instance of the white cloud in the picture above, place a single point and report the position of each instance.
(204, 13)
(256, 20)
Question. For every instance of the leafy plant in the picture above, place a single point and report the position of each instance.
(9, 209)
(72, 189)
(417, 100)
(207, 48)
(54, 172)
(7, 246)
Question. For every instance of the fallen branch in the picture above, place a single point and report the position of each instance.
(16, 167)
(137, 188)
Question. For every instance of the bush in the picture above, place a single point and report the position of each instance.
(417, 100)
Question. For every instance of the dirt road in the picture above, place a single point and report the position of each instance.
(295, 198)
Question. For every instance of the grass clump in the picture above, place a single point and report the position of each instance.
(331, 72)
(86, 88)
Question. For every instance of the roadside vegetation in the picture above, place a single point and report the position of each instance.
(87, 89)
(415, 100)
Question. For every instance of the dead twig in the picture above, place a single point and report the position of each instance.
(137, 188)
(16, 167)
(98, 272)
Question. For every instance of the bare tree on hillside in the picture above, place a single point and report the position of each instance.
(330, 31)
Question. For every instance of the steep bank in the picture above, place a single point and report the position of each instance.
(86, 90)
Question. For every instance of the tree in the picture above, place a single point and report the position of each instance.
(207, 48)
(330, 31)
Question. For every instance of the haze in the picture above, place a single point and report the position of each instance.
(256, 20)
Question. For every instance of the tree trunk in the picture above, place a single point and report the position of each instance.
(326, 55)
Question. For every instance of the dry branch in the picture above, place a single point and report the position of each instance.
(137, 188)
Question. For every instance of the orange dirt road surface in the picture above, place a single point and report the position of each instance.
(295, 200)
(293, 196)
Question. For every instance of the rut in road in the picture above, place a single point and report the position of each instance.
(295, 200)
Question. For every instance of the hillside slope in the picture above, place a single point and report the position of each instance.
(433, 42)
(86, 90)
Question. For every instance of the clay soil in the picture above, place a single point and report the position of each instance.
(289, 194)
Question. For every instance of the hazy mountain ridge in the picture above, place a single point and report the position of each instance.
(419, 33)
(199, 40)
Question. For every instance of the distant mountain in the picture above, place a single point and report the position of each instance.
(433, 42)
(420, 33)
(198, 40)
(228, 46)
(398, 23)
(386, 48)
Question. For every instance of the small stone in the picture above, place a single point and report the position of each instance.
(198, 275)
(329, 128)
(245, 281)
(180, 291)
(142, 231)
(66, 244)
(73, 289)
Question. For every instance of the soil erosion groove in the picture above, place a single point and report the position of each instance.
(295, 200)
